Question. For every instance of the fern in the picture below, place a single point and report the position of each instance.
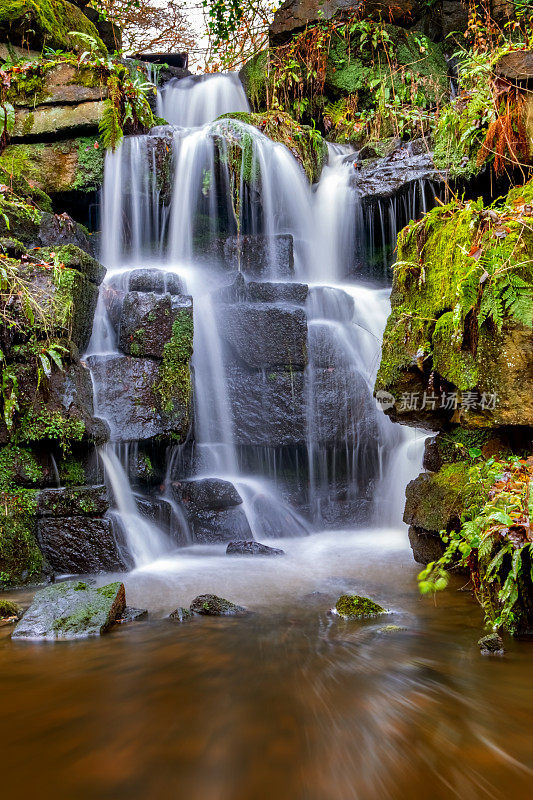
(110, 125)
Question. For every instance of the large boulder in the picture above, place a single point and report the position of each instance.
(81, 545)
(59, 122)
(71, 610)
(435, 500)
(128, 393)
(147, 322)
(214, 510)
(265, 336)
(40, 23)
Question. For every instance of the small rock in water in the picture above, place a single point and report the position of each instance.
(72, 610)
(491, 645)
(10, 612)
(131, 614)
(353, 606)
(181, 615)
(385, 629)
(252, 549)
(212, 606)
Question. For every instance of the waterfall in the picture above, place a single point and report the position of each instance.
(187, 200)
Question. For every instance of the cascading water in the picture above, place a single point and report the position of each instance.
(225, 179)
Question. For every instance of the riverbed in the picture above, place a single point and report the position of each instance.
(289, 702)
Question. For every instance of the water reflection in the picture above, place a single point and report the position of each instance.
(288, 703)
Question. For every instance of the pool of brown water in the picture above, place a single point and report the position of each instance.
(287, 703)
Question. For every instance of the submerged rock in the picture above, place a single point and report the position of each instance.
(72, 610)
(252, 549)
(181, 615)
(210, 605)
(131, 614)
(491, 645)
(354, 606)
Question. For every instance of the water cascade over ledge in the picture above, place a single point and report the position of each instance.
(286, 340)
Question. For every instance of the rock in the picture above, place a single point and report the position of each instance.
(434, 500)
(155, 280)
(60, 166)
(210, 605)
(175, 60)
(43, 23)
(12, 248)
(206, 493)
(72, 610)
(147, 320)
(156, 510)
(60, 229)
(265, 336)
(57, 121)
(181, 615)
(65, 84)
(426, 546)
(131, 614)
(73, 501)
(491, 645)
(214, 526)
(353, 606)
(277, 292)
(516, 66)
(74, 257)
(259, 255)
(294, 15)
(9, 611)
(252, 549)
(80, 545)
(110, 33)
(132, 401)
(383, 178)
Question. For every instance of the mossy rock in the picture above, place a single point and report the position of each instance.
(354, 606)
(209, 605)
(16, 172)
(40, 23)
(435, 501)
(306, 144)
(9, 610)
(53, 167)
(72, 610)
(20, 558)
(255, 80)
(354, 69)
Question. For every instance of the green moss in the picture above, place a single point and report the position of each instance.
(20, 558)
(456, 365)
(18, 171)
(255, 79)
(43, 425)
(45, 22)
(353, 606)
(9, 609)
(90, 168)
(174, 385)
(454, 445)
(18, 464)
(71, 472)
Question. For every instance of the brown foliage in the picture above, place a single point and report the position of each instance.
(506, 135)
(148, 24)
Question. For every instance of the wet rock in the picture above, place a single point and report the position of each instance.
(73, 501)
(265, 336)
(426, 546)
(57, 121)
(156, 510)
(57, 230)
(155, 280)
(353, 606)
(272, 292)
(433, 500)
(213, 526)
(491, 645)
(131, 614)
(181, 615)
(210, 605)
(79, 545)
(132, 402)
(385, 177)
(10, 612)
(72, 610)
(259, 255)
(252, 549)
(77, 258)
(206, 493)
(147, 320)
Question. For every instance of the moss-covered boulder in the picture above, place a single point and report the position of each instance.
(53, 121)
(209, 605)
(54, 167)
(305, 143)
(72, 610)
(9, 611)
(360, 69)
(40, 23)
(458, 345)
(354, 606)
(435, 501)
